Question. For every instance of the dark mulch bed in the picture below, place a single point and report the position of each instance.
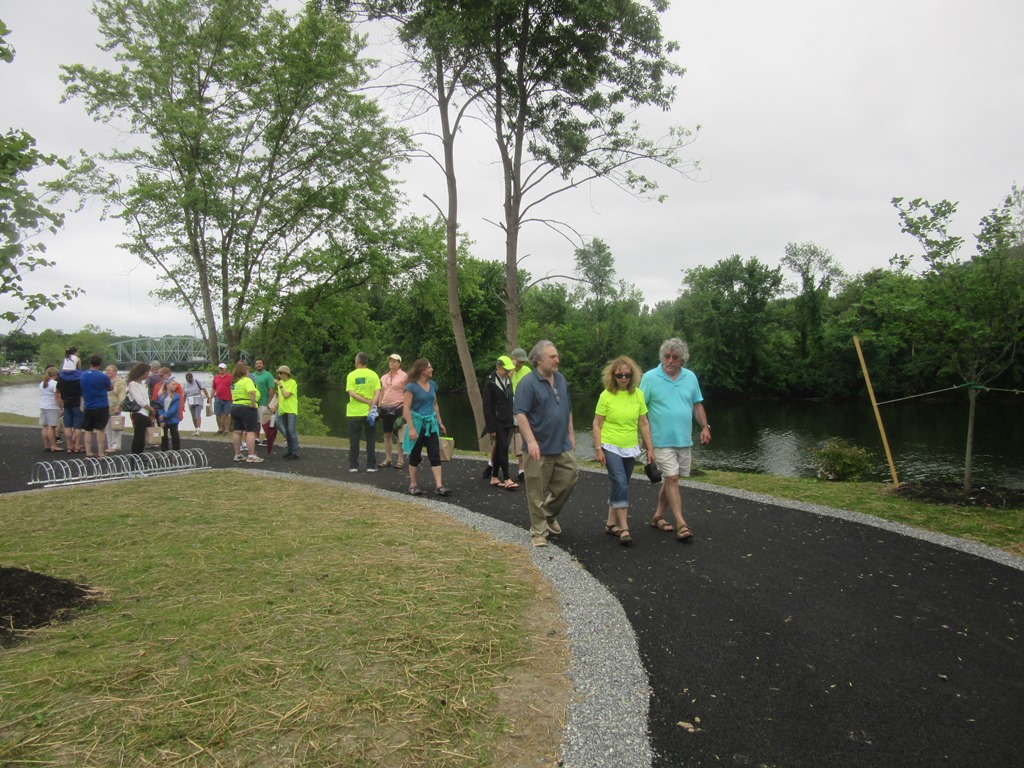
(991, 497)
(29, 600)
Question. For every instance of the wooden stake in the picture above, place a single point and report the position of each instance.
(878, 414)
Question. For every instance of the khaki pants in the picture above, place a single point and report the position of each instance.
(549, 484)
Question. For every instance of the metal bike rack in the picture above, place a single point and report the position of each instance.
(117, 467)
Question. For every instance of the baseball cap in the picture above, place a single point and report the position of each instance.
(395, 356)
(518, 354)
(505, 362)
(223, 365)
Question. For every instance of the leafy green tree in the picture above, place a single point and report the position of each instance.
(23, 216)
(975, 307)
(257, 167)
(90, 340)
(556, 82)
(819, 275)
(881, 307)
(418, 313)
(724, 313)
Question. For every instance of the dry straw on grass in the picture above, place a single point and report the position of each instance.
(256, 621)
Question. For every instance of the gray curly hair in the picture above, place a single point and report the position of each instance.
(675, 345)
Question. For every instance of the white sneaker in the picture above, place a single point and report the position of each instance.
(254, 460)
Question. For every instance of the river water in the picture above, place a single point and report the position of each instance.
(927, 438)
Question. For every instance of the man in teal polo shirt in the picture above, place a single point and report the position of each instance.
(265, 384)
(674, 401)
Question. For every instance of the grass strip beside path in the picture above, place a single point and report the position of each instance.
(247, 620)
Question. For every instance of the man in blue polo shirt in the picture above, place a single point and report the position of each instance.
(544, 414)
(95, 406)
(674, 401)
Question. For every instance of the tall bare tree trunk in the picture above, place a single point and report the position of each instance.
(451, 235)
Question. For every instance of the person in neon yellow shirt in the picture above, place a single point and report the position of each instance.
(363, 387)
(518, 356)
(245, 418)
(621, 416)
(288, 409)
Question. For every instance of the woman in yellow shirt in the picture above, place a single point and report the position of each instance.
(245, 418)
(619, 421)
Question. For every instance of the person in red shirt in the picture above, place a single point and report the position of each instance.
(222, 399)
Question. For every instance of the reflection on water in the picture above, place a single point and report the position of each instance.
(770, 437)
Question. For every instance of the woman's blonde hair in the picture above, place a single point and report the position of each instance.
(608, 375)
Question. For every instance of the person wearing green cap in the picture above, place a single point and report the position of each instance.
(498, 420)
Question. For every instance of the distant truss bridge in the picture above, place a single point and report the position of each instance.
(172, 351)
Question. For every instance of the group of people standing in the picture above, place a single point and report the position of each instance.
(395, 398)
(87, 402)
(244, 401)
(82, 402)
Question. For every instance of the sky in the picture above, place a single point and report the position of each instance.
(813, 115)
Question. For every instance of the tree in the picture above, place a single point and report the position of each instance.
(555, 82)
(558, 81)
(819, 274)
(23, 216)
(725, 311)
(883, 308)
(975, 307)
(257, 170)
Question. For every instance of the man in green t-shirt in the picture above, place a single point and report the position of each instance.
(363, 387)
(264, 381)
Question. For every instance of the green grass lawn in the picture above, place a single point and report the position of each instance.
(245, 620)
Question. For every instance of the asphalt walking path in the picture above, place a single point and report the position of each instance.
(783, 635)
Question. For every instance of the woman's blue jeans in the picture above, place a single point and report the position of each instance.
(288, 422)
(619, 470)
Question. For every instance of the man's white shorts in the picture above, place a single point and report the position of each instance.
(673, 462)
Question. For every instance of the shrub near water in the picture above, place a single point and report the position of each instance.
(253, 621)
(837, 459)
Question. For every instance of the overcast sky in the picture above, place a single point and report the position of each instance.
(813, 115)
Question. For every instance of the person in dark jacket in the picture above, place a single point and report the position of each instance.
(499, 420)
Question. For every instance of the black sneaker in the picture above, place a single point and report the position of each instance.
(522, 476)
(487, 472)
(442, 491)
(414, 491)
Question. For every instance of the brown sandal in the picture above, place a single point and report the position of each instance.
(624, 538)
(684, 533)
(612, 529)
(661, 523)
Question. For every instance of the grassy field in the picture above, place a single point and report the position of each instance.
(255, 621)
